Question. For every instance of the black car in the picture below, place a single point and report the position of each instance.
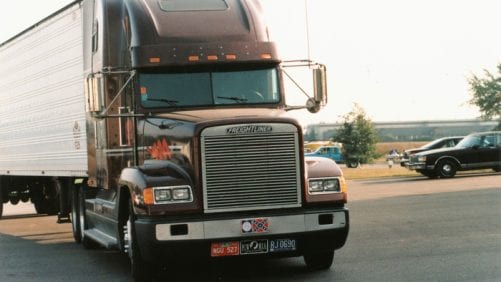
(445, 142)
(475, 151)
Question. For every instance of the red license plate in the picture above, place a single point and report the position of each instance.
(224, 249)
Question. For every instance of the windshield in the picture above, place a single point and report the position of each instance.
(163, 90)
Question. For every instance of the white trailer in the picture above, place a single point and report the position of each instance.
(42, 107)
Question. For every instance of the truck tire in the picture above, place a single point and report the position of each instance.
(319, 261)
(75, 216)
(36, 195)
(446, 168)
(51, 197)
(140, 270)
(14, 197)
(39, 206)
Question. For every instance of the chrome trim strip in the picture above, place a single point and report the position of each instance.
(231, 228)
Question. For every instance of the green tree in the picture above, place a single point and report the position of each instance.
(486, 94)
(358, 136)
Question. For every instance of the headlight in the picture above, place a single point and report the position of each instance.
(421, 159)
(316, 186)
(180, 194)
(331, 185)
(324, 185)
(162, 195)
(168, 195)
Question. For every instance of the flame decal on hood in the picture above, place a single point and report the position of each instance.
(160, 150)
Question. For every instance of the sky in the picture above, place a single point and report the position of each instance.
(400, 60)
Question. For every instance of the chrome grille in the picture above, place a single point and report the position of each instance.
(250, 170)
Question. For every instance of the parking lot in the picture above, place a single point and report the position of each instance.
(402, 229)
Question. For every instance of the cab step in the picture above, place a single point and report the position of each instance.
(101, 238)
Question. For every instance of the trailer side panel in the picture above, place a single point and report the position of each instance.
(42, 107)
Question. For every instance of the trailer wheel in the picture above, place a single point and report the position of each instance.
(75, 215)
(51, 197)
(140, 270)
(14, 197)
(24, 195)
(36, 195)
(319, 261)
(39, 206)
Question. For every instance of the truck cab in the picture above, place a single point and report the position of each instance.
(189, 149)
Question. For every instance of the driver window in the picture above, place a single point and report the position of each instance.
(488, 141)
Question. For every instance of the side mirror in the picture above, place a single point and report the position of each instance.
(319, 98)
(319, 85)
(93, 96)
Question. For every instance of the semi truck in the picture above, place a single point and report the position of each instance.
(159, 128)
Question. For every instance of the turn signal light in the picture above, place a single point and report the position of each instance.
(266, 56)
(154, 60)
(148, 196)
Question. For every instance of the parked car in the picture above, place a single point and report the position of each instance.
(475, 151)
(445, 142)
(331, 152)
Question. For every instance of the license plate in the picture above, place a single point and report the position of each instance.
(282, 245)
(249, 247)
(224, 249)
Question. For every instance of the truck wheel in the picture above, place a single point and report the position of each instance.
(319, 261)
(140, 270)
(75, 216)
(446, 169)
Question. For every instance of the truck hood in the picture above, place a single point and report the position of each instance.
(322, 167)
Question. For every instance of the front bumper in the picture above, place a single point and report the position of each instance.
(416, 166)
(314, 231)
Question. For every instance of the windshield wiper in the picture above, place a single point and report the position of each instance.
(170, 102)
(237, 99)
